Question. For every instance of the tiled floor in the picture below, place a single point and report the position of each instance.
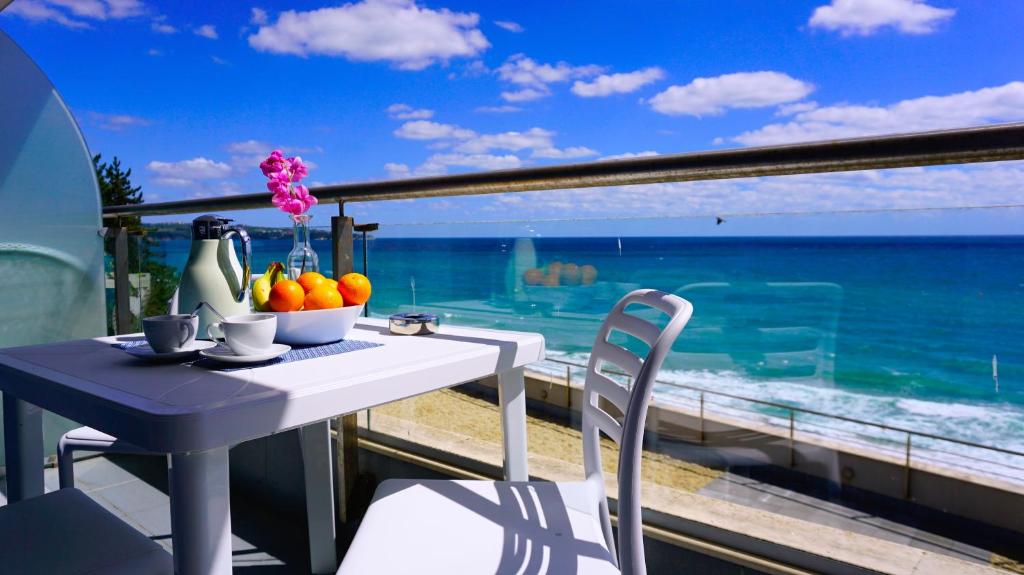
(135, 489)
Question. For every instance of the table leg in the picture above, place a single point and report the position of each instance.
(23, 448)
(201, 512)
(512, 399)
(316, 463)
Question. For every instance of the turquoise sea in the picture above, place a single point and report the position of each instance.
(901, 331)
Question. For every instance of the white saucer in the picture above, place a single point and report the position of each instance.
(145, 352)
(224, 353)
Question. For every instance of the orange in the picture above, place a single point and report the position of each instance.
(311, 280)
(533, 276)
(355, 288)
(588, 274)
(287, 295)
(571, 274)
(331, 283)
(323, 297)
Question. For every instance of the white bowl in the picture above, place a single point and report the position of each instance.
(317, 326)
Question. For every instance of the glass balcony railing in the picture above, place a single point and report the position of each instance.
(868, 383)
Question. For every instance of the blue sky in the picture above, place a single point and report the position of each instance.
(192, 94)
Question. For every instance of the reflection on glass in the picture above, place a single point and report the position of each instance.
(814, 368)
(51, 255)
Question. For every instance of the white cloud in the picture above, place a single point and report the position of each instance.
(249, 147)
(396, 170)
(564, 153)
(473, 150)
(206, 31)
(439, 163)
(712, 96)
(988, 105)
(124, 8)
(525, 95)
(426, 130)
(630, 155)
(258, 17)
(509, 25)
(790, 109)
(160, 26)
(608, 84)
(513, 141)
(539, 141)
(187, 172)
(864, 17)
(407, 112)
(246, 155)
(396, 31)
(154, 52)
(117, 122)
(532, 79)
(75, 13)
(498, 109)
(220, 61)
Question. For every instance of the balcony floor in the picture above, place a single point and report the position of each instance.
(268, 542)
(135, 489)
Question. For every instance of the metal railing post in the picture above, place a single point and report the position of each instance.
(122, 283)
(792, 429)
(701, 417)
(346, 439)
(568, 387)
(906, 471)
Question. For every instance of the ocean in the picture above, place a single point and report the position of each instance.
(900, 331)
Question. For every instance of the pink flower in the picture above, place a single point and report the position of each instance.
(281, 199)
(277, 187)
(274, 164)
(298, 169)
(302, 194)
(283, 175)
(294, 207)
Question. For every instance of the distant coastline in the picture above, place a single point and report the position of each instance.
(183, 231)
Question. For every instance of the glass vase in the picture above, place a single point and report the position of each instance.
(302, 258)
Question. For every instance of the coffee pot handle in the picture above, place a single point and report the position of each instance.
(243, 236)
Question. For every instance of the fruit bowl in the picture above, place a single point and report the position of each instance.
(314, 327)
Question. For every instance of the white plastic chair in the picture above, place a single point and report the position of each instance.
(438, 526)
(67, 532)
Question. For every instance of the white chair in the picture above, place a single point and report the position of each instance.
(501, 527)
(66, 532)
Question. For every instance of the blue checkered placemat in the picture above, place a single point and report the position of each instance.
(297, 353)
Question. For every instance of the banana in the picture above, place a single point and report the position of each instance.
(261, 288)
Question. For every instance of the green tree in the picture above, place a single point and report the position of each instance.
(144, 253)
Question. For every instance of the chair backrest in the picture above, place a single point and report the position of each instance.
(632, 404)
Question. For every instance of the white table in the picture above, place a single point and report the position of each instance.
(195, 415)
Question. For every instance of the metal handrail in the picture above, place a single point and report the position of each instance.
(966, 145)
(813, 412)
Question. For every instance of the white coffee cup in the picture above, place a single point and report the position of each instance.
(170, 333)
(246, 334)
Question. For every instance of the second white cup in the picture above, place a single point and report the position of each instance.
(246, 334)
